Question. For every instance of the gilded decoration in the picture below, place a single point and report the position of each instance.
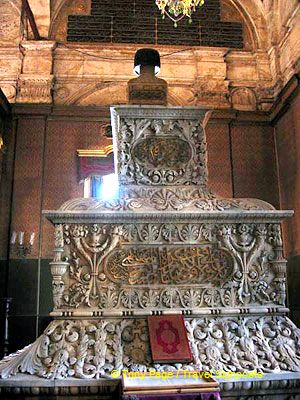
(187, 267)
(159, 152)
(167, 266)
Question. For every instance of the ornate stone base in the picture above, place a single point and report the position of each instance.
(90, 349)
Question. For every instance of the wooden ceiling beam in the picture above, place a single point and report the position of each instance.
(30, 16)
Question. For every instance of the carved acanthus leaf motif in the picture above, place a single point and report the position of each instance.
(251, 274)
(91, 349)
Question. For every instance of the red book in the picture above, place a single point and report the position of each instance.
(168, 339)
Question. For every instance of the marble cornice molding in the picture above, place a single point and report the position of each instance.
(133, 111)
(97, 81)
(94, 216)
(211, 73)
(206, 79)
(241, 56)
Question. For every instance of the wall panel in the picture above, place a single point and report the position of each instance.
(287, 131)
(254, 163)
(219, 163)
(28, 175)
(288, 152)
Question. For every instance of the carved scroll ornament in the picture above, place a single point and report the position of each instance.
(187, 266)
(89, 349)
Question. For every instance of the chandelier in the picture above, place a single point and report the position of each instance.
(178, 9)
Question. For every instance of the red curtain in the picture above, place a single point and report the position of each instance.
(96, 166)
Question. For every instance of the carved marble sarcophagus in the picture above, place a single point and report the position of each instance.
(164, 245)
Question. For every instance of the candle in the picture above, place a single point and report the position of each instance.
(13, 238)
(21, 238)
(31, 240)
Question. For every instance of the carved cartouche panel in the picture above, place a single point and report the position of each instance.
(179, 266)
(162, 152)
(164, 147)
(202, 265)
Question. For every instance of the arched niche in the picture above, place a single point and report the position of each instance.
(116, 93)
(60, 11)
(113, 93)
(243, 99)
(231, 11)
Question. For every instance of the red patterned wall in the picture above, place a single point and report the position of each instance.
(6, 172)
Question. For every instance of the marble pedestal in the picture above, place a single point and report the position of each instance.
(164, 245)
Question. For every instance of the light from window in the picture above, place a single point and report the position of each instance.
(109, 187)
(101, 187)
(87, 188)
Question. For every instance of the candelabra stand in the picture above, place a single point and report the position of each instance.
(18, 247)
(6, 308)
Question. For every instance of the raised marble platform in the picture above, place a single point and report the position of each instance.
(165, 245)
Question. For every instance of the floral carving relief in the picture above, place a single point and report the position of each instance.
(90, 349)
(187, 266)
(91, 245)
(181, 198)
(165, 245)
(140, 144)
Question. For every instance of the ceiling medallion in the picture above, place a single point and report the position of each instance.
(176, 10)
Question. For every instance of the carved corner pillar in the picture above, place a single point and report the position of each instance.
(58, 267)
(35, 84)
(211, 85)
